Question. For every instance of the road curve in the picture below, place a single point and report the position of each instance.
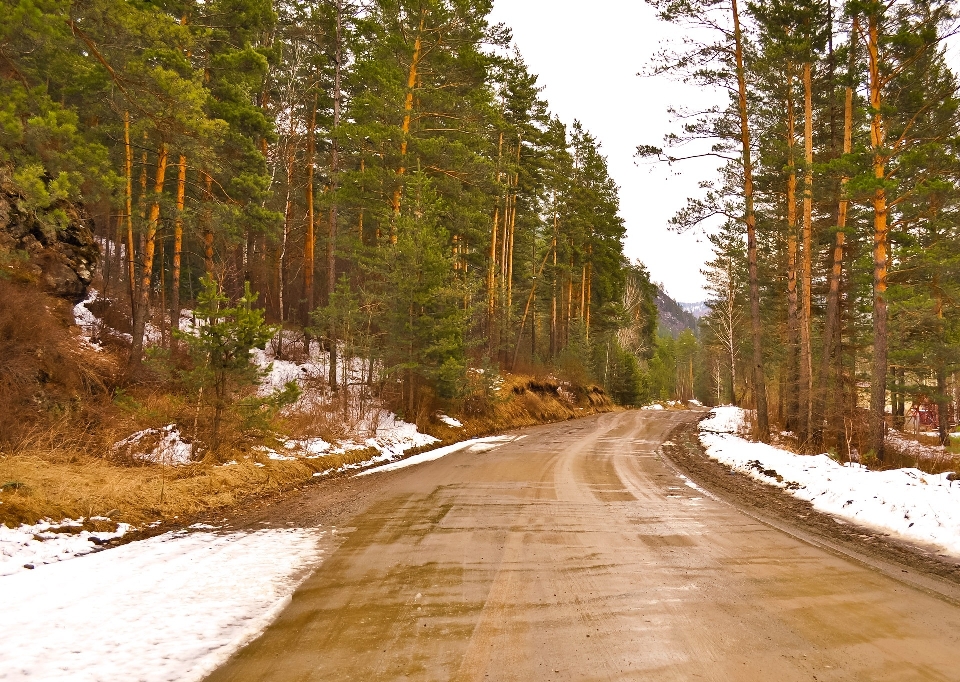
(576, 553)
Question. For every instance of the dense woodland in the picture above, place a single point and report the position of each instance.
(384, 175)
(834, 283)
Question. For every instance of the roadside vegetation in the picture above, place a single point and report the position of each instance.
(833, 310)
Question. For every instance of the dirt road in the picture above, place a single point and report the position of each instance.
(578, 553)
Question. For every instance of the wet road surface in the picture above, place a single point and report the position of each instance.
(577, 553)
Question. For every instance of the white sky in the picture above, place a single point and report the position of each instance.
(587, 55)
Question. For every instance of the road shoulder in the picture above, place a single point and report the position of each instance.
(918, 566)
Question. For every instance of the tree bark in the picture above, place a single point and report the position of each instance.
(832, 321)
(178, 246)
(806, 356)
(309, 242)
(759, 381)
(131, 263)
(142, 309)
(792, 402)
(335, 181)
(208, 227)
(878, 382)
(405, 128)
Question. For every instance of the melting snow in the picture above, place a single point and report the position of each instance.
(477, 445)
(170, 449)
(48, 543)
(450, 421)
(173, 607)
(915, 505)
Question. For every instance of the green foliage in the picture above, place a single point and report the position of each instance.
(219, 347)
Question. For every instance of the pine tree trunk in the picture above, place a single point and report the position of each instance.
(878, 382)
(589, 293)
(142, 309)
(335, 184)
(553, 295)
(309, 242)
(178, 245)
(208, 226)
(731, 339)
(832, 321)
(792, 402)
(131, 262)
(405, 128)
(806, 357)
(759, 381)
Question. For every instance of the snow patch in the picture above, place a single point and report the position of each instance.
(655, 406)
(915, 505)
(450, 421)
(163, 446)
(27, 547)
(476, 445)
(173, 607)
(87, 321)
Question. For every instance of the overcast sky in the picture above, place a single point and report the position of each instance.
(587, 55)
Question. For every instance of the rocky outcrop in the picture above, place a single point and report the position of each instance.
(58, 254)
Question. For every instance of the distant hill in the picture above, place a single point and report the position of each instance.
(698, 310)
(673, 316)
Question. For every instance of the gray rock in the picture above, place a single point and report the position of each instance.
(61, 260)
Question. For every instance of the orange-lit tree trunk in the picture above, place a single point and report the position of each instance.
(142, 309)
(832, 319)
(878, 381)
(405, 128)
(178, 244)
(806, 357)
(759, 381)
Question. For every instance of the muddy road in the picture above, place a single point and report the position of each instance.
(579, 553)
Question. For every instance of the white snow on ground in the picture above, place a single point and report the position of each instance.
(86, 320)
(394, 436)
(908, 502)
(281, 372)
(910, 447)
(450, 421)
(47, 543)
(171, 608)
(655, 406)
(160, 446)
(477, 445)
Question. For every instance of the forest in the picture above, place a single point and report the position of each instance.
(834, 281)
(381, 180)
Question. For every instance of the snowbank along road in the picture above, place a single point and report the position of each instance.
(578, 553)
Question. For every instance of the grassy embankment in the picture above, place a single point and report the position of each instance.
(67, 472)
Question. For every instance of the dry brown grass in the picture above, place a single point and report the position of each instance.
(69, 484)
(62, 471)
